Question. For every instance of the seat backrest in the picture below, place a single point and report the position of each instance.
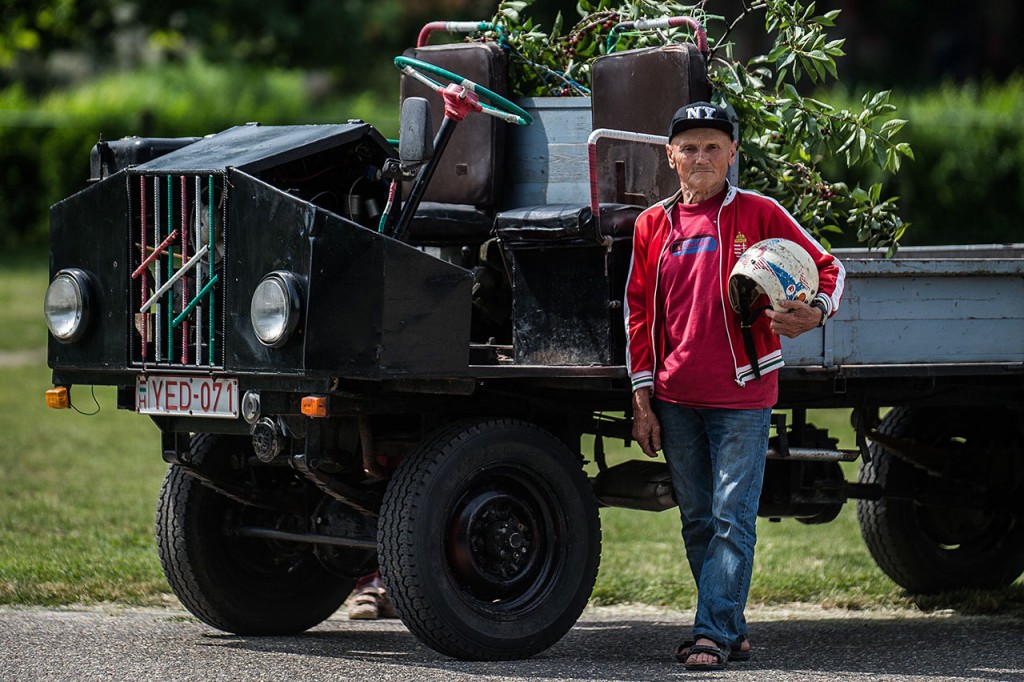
(639, 91)
(470, 170)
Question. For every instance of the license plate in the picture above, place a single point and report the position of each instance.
(179, 396)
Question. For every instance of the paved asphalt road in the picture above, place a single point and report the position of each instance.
(616, 643)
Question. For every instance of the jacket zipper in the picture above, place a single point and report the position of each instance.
(730, 195)
(657, 282)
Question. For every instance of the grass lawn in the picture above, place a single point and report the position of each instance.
(77, 497)
(644, 560)
(22, 285)
(78, 493)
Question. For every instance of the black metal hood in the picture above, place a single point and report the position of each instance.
(254, 148)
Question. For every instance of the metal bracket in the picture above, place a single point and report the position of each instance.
(243, 494)
(348, 495)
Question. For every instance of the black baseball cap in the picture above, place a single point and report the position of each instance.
(700, 115)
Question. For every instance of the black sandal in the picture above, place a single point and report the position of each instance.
(735, 653)
(738, 655)
(683, 652)
(721, 654)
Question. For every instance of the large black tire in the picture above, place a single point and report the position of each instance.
(240, 585)
(490, 540)
(935, 548)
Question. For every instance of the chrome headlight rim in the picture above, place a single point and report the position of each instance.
(286, 286)
(82, 289)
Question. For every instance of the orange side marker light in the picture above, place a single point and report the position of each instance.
(58, 398)
(314, 406)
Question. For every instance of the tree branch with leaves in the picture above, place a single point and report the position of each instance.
(785, 136)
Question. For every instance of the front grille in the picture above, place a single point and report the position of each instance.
(176, 289)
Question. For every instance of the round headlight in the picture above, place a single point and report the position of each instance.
(274, 309)
(66, 306)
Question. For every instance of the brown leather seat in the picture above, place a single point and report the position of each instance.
(639, 91)
(465, 190)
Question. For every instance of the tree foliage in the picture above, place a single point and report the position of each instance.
(785, 135)
(40, 39)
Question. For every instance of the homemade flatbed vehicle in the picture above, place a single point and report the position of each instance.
(339, 386)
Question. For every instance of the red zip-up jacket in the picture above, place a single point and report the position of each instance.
(744, 218)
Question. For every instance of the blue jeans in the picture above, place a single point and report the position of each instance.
(717, 458)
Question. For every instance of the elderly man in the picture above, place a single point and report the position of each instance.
(700, 391)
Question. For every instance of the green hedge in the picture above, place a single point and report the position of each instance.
(966, 185)
(45, 145)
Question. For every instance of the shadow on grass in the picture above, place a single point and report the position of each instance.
(1007, 601)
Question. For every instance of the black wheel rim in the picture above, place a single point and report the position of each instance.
(258, 558)
(501, 539)
(953, 529)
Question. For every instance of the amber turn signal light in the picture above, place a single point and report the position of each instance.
(314, 406)
(58, 398)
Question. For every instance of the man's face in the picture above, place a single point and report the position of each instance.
(701, 158)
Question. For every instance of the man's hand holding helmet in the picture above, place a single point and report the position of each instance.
(797, 318)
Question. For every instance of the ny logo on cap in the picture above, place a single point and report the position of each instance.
(700, 112)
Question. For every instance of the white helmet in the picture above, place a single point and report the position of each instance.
(780, 268)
